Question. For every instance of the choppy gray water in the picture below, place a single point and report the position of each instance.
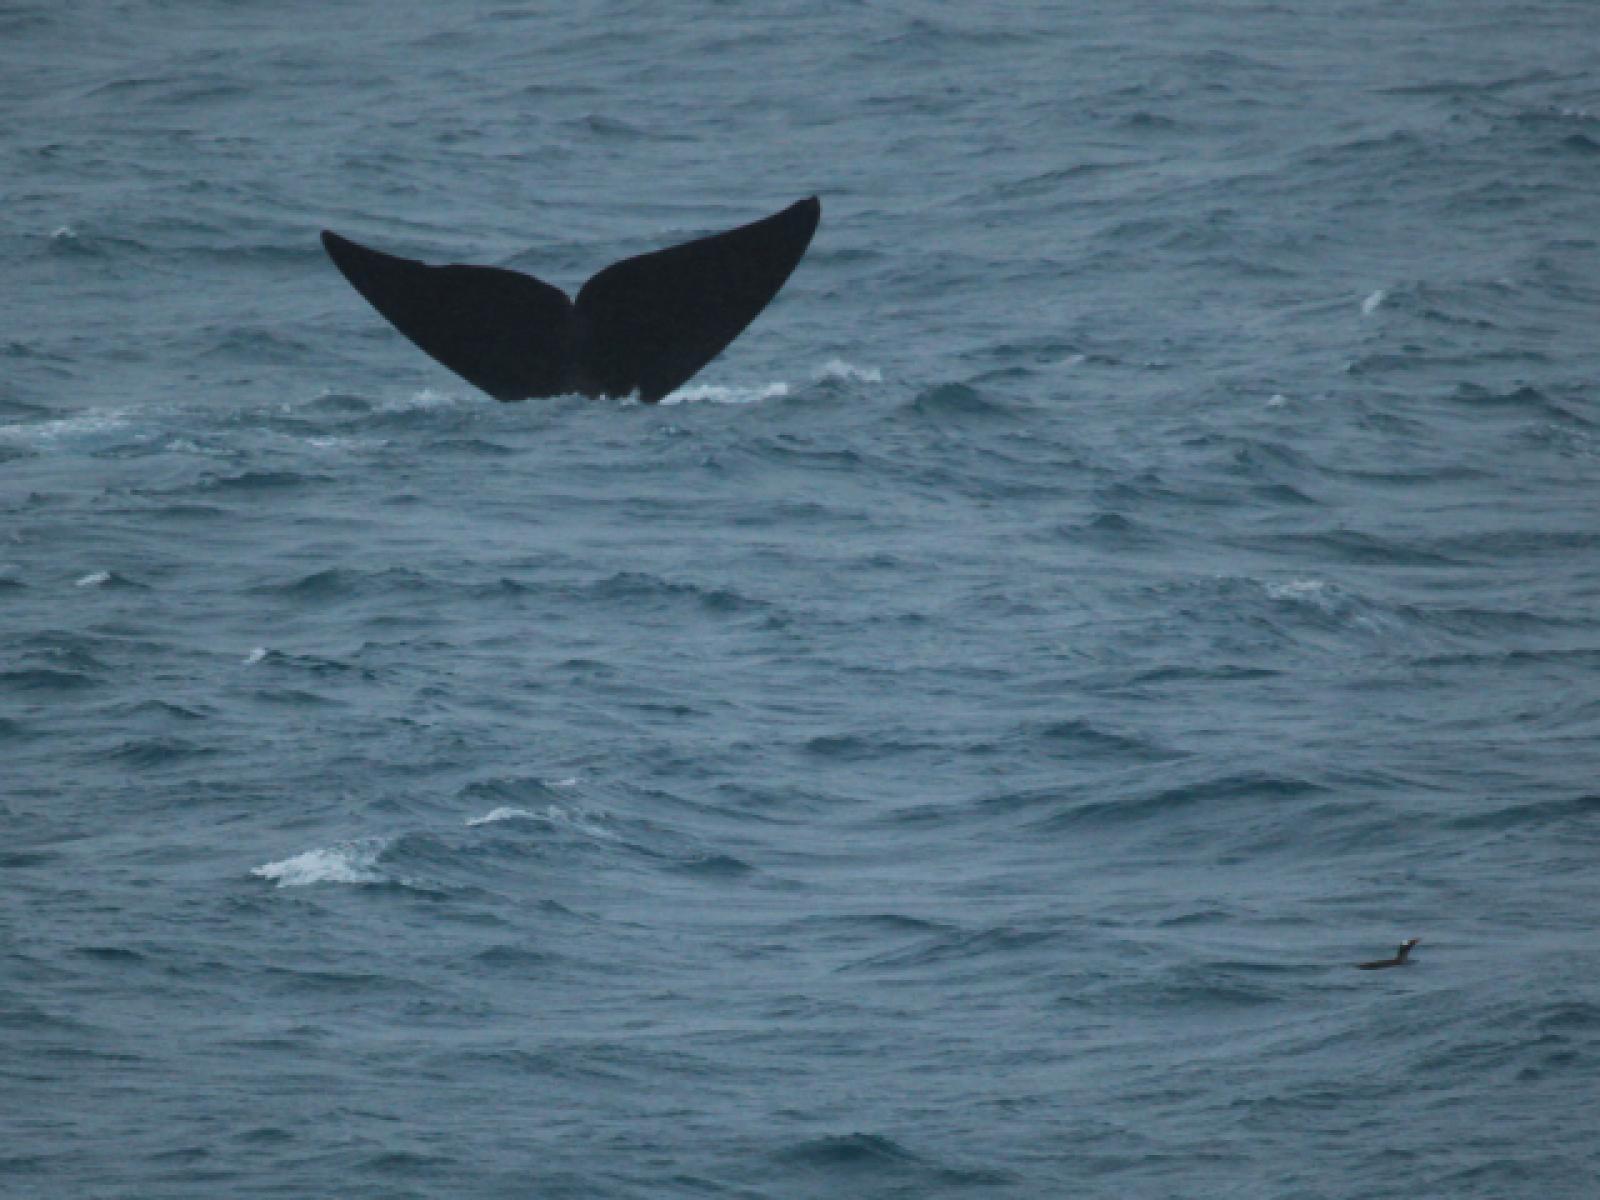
(1144, 563)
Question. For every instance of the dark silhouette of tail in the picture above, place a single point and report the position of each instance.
(645, 324)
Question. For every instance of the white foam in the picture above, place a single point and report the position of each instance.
(255, 656)
(345, 862)
(65, 427)
(503, 814)
(1370, 304)
(65, 233)
(560, 816)
(837, 368)
(425, 399)
(1278, 400)
(553, 815)
(712, 393)
(1298, 589)
(94, 579)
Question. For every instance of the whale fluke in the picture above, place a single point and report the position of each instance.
(645, 324)
(1402, 955)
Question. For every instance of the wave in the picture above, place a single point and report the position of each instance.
(45, 679)
(108, 579)
(88, 426)
(875, 924)
(713, 866)
(515, 958)
(1111, 530)
(157, 752)
(837, 369)
(166, 711)
(853, 1150)
(340, 582)
(632, 587)
(312, 663)
(552, 814)
(353, 861)
(258, 481)
(1078, 739)
(12, 730)
(602, 126)
(1248, 788)
(712, 393)
(1354, 547)
(1001, 946)
(110, 954)
(253, 347)
(425, 401)
(858, 1160)
(852, 747)
(1578, 812)
(1205, 986)
(957, 402)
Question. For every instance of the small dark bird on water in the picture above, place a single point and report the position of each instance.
(1401, 958)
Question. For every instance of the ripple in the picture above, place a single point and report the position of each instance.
(1251, 788)
(43, 679)
(157, 752)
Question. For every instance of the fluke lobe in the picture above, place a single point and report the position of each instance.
(645, 324)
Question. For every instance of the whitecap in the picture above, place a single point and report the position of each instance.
(713, 393)
(552, 815)
(837, 368)
(66, 427)
(557, 815)
(1298, 589)
(1278, 400)
(94, 579)
(344, 862)
(503, 814)
(255, 656)
(427, 398)
(1370, 304)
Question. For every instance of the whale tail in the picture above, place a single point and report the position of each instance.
(646, 324)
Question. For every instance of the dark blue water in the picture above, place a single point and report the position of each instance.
(1146, 561)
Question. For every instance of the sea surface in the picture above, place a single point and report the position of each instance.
(1145, 562)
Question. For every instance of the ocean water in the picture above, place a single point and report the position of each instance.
(1145, 562)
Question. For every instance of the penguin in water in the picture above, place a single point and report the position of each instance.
(1400, 959)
